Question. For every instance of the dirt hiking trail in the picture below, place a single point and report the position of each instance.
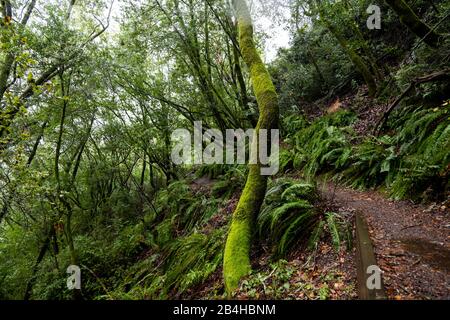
(411, 242)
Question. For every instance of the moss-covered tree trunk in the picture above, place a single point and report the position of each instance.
(358, 62)
(363, 68)
(237, 249)
(410, 19)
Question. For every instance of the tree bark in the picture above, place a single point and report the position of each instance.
(38, 261)
(10, 57)
(237, 248)
(410, 20)
(355, 58)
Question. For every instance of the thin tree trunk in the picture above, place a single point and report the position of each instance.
(38, 261)
(417, 26)
(354, 57)
(10, 57)
(67, 208)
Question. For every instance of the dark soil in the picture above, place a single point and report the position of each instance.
(412, 242)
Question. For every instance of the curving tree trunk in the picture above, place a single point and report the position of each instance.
(410, 19)
(237, 248)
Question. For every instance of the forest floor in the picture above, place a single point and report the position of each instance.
(411, 242)
(302, 275)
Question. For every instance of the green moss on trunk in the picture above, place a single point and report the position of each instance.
(237, 248)
(410, 19)
(358, 62)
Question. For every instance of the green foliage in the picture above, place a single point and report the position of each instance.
(316, 235)
(288, 214)
(16, 259)
(310, 68)
(234, 179)
(292, 124)
(212, 171)
(181, 210)
(337, 227)
(340, 230)
(410, 161)
(188, 261)
(321, 145)
(86, 117)
(103, 258)
(285, 160)
(193, 259)
(273, 284)
(370, 163)
(426, 161)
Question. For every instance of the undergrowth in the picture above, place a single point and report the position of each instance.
(291, 214)
(411, 160)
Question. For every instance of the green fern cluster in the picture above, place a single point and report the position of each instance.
(193, 259)
(184, 263)
(337, 226)
(426, 162)
(413, 159)
(369, 163)
(178, 210)
(320, 146)
(212, 171)
(288, 214)
(293, 124)
(234, 179)
(183, 254)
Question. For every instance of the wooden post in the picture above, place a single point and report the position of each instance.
(365, 258)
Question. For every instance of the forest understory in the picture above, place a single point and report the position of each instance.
(411, 241)
(92, 92)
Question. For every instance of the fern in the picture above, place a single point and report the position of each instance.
(287, 214)
(413, 159)
(292, 124)
(316, 235)
(188, 261)
(425, 162)
(300, 190)
(212, 171)
(334, 230)
(233, 180)
(321, 146)
(303, 222)
(337, 227)
(371, 163)
(286, 160)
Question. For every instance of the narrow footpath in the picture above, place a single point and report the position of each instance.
(412, 242)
